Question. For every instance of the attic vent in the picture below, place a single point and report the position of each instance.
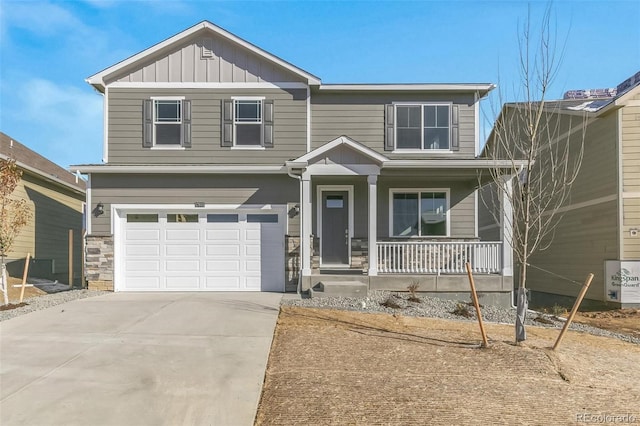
(207, 48)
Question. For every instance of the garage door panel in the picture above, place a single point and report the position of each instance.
(182, 235)
(224, 250)
(253, 283)
(252, 266)
(252, 235)
(142, 265)
(182, 250)
(143, 235)
(222, 266)
(143, 282)
(223, 283)
(182, 265)
(182, 283)
(252, 249)
(223, 234)
(142, 250)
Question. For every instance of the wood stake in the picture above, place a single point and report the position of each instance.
(24, 276)
(70, 258)
(476, 304)
(576, 305)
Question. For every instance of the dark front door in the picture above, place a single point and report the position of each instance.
(335, 228)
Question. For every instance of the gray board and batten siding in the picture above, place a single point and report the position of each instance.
(125, 127)
(166, 189)
(205, 58)
(361, 117)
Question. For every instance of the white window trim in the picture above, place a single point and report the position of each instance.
(447, 192)
(397, 150)
(162, 147)
(261, 124)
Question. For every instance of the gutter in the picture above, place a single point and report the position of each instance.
(47, 177)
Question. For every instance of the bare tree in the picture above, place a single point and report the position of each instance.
(14, 215)
(544, 149)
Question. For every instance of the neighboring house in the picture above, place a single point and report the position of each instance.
(221, 158)
(56, 200)
(601, 220)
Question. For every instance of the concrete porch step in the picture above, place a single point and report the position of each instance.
(333, 288)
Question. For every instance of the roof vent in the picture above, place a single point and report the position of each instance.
(207, 49)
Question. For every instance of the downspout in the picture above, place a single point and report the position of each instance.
(299, 177)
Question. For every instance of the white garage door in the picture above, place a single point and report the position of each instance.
(212, 251)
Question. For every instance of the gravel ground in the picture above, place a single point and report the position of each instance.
(48, 300)
(439, 308)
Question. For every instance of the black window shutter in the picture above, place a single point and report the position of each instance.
(186, 124)
(267, 123)
(227, 123)
(147, 123)
(389, 128)
(455, 138)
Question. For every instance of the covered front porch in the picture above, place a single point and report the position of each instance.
(387, 224)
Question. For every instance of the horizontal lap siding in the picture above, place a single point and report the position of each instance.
(598, 174)
(361, 117)
(187, 189)
(584, 239)
(54, 211)
(489, 209)
(631, 178)
(125, 128)
(631, 220)
(25, 240)
(461, 203)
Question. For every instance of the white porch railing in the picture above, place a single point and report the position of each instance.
(432, 257)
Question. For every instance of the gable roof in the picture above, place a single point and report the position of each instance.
(339, 141)
(98, 80)
(35, 163)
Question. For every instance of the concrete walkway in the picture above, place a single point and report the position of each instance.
(143, 359)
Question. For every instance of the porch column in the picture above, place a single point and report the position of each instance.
(373, 223)
(506, 227)
(306, 210)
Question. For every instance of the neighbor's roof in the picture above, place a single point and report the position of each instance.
(35, 163)
(598, 103)
(98, 80)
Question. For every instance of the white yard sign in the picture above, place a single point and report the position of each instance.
(622, 281)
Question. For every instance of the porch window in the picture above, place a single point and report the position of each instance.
(423, 126)
(419, 213)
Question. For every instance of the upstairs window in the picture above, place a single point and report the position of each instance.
(247, 122)
(421, 213)
(421, 127)
(166, 123)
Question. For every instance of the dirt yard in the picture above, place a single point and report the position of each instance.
(339, 367)
(621, 320)
(14, 292)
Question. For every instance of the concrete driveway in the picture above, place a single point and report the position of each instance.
(138, 359)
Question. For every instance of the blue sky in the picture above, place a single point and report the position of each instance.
(47, 49)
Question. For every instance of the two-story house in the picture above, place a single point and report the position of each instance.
(598, 226)
(227, 168)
